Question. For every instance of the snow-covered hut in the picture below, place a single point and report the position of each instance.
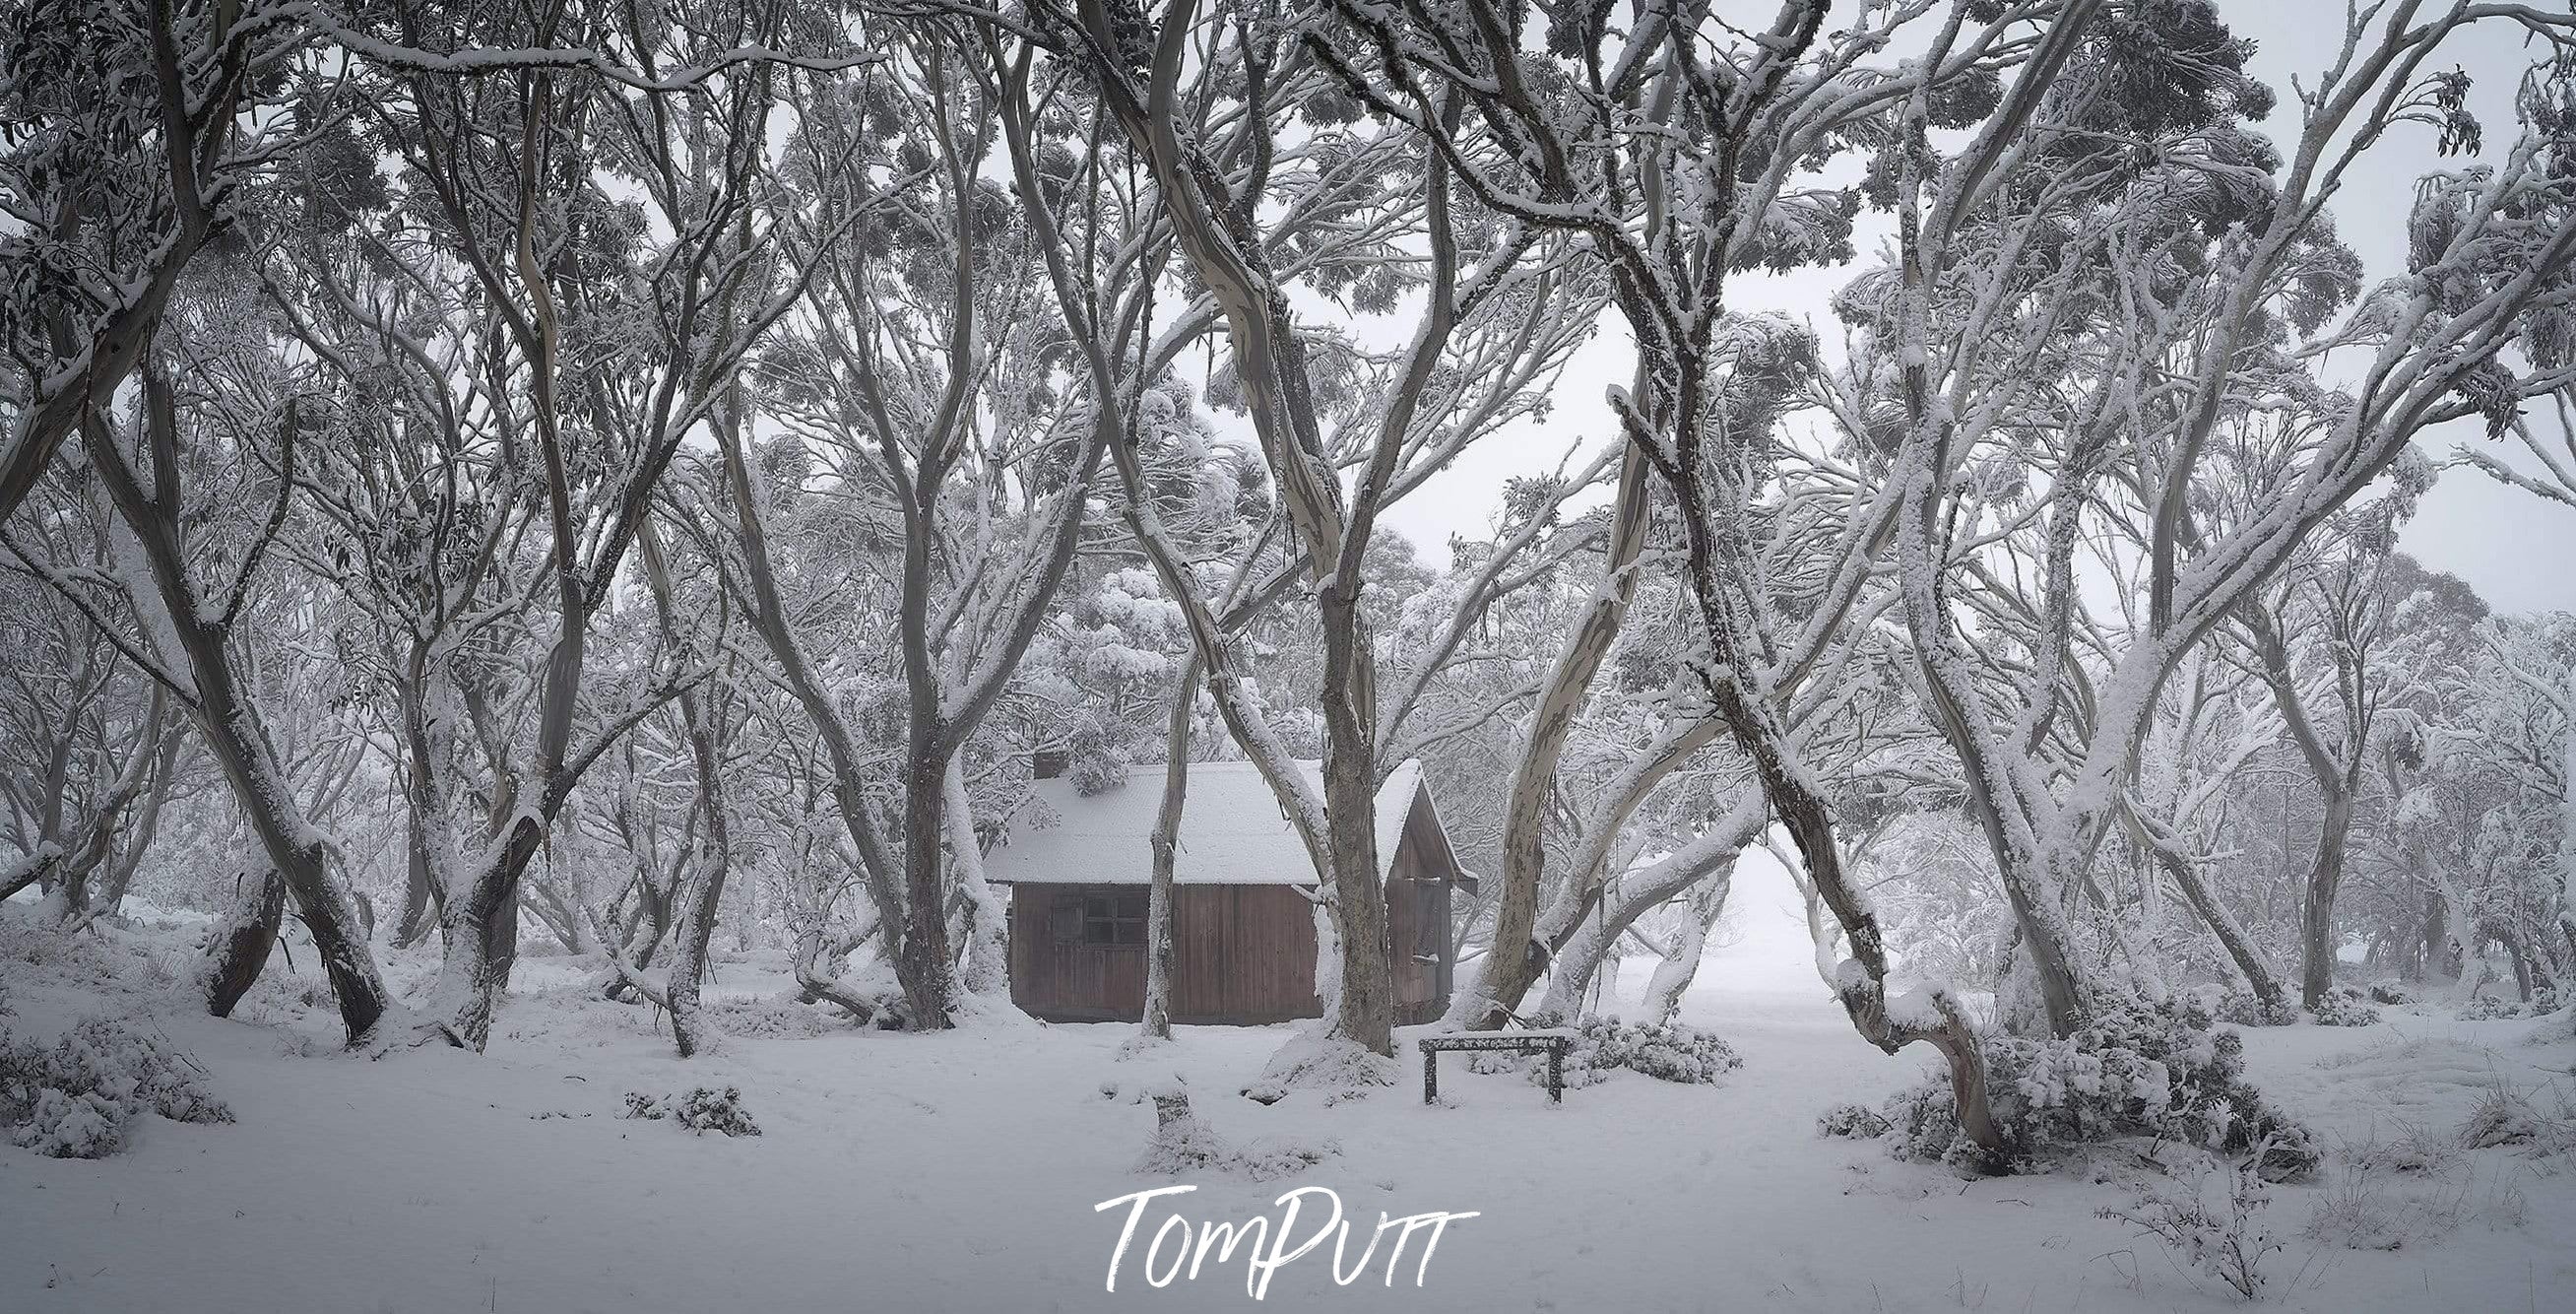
(1243, 929)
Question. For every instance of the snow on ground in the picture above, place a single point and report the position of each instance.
(959, 1172)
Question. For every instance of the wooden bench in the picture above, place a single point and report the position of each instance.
(1555, 1043)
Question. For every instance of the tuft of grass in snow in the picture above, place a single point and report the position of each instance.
(2541, 1124)
(2410, 1148)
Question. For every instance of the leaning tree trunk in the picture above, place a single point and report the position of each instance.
(237, 946)
(1595, 939)
(1166, 844)
(1515, 959)
(2161, 844)
(1690, 940)
(226, 720)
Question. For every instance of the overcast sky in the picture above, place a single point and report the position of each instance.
(2518, 551)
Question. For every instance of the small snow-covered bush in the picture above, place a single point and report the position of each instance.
(79, 1098)
(2137, 1068)
(2224, 1238)
(1666, 1051)
(2344, 1007)
(1857, 1121)
(702, 1110)
(2247, 1009)
(64, 1126)
(2488, 1008)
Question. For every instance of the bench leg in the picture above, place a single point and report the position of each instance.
(1430, 1076)
(1555, 1075)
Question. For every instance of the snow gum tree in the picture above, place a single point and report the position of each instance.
(1489, 326)
(2161, 308)
(1677, 172)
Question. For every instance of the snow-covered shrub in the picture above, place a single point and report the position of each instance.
(2137, 1068)
(1666, 1051)
(79, 1097)
(2391, 991)
(2488, 1008)
(2225, 1238)
(2247, 1009)
(702, 1110)
(1857, 1121)
(64, 1126)
(1182, 1144)
(2344, 1006)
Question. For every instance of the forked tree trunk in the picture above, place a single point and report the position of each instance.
(237, 946)
(420, 905)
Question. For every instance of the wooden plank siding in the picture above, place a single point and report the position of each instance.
(1242, 955)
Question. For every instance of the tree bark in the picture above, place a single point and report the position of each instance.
(228, 723)
(2317, 939)
(1690, 940)
(1515, 959)
(702, 892)
(2222, 923)
(1598, 936)
(237, 947)
(1165, 845)
(986, 924)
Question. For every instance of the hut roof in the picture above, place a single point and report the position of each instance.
(1232, 831)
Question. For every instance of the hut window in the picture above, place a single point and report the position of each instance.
(1114, 918)
(1064, 920)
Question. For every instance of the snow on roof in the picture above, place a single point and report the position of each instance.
(1232, 831)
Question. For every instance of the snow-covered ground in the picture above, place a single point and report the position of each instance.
(960, 1171)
